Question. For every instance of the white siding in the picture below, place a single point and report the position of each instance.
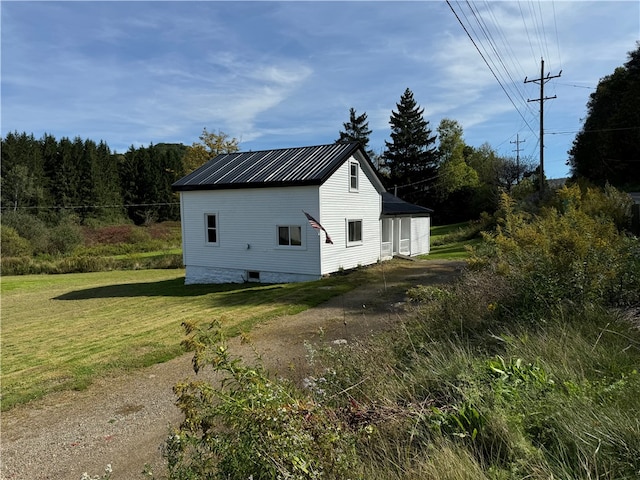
(247, 236)
(337, 205)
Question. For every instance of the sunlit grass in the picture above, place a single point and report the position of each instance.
(449, 242)
(61, 331)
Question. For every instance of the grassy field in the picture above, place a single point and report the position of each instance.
(61, 331)
(449, 242)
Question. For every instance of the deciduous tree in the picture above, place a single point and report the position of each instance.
(453, 172)
(210, 145)
(607, 148)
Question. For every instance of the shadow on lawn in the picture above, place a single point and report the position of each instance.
(164, 288)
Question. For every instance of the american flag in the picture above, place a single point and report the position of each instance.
(315, 224)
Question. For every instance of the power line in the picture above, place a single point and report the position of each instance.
(576, 86)
(79, 207)
(487, 63)
(595, 130)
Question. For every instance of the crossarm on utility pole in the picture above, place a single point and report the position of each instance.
(542, 80)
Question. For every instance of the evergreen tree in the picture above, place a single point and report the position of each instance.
(107, 183)
(411, 156)
(49, 146)
(66, 174)
(22, 172)
(607, 149)
(128, 180)
(87, 184)
(170, 170)
(357, 130)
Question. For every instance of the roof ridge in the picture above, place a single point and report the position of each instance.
(240, 152)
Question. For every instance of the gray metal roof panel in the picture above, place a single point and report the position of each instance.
(394, 206)
(281, 167)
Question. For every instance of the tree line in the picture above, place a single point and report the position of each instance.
(48, 178)
(51, 178)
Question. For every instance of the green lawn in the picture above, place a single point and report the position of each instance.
(452, 251)
(61, 331)
(448, 243)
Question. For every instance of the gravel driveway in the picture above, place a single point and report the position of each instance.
(123, 421)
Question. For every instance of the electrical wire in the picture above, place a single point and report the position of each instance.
(78, 207)
(488, 65)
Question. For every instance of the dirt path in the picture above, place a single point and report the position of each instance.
(123, 421)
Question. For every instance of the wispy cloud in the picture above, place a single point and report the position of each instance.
(286, 73)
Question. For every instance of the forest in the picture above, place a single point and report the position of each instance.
(50, 178)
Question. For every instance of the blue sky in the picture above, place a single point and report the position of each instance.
(284, 74)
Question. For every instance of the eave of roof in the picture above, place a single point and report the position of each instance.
(393, 206)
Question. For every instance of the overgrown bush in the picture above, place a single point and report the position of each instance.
(64, 237)
(86, 263)
(67, 247)
(251, 426)
(565, 255)
(29, 227)
(12, 244)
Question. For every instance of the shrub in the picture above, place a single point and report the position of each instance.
(13, 245)
(30, 228)
(108, 235)
(64, 237)
(251, 426)
(565, 255)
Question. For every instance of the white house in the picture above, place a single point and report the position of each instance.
(244, 216)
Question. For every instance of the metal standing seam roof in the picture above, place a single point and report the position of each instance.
(269, 168)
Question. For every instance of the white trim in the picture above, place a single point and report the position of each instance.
(302, 245)
(206, 229)
(354, 242)
(354, 163)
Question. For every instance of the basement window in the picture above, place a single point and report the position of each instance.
(253, 276)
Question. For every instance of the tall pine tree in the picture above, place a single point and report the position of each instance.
(411, 157)
(357, 130)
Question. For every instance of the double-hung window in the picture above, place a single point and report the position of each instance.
(354, 232)
(354, 172)
(211, 228)
(289, 235)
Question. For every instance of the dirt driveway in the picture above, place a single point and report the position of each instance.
(123, 421)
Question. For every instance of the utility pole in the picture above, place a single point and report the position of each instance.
(542, 80)
(517, 150)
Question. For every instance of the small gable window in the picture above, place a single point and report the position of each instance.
(290, 235)
(354, 232)
(354, 172)
(211, 224)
